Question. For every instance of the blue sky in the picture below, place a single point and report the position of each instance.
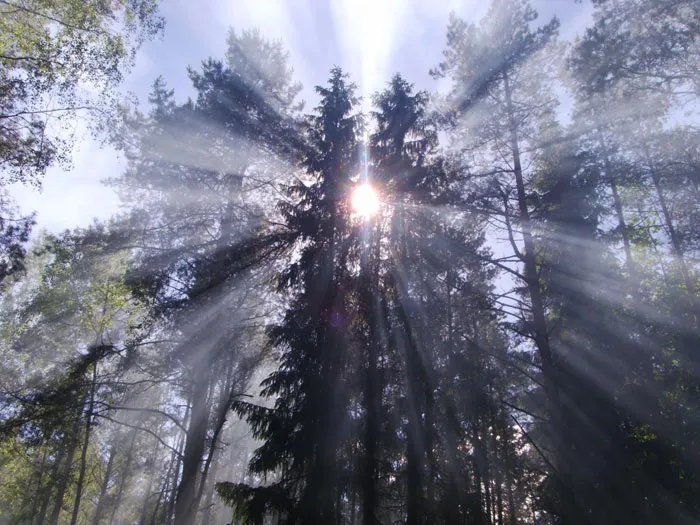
(371, 39)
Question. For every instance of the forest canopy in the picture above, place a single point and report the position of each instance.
(476, 304)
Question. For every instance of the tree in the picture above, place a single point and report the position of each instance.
(496, 104)
(14, 235)
(49, 51)
(302, 433)
(648, 44)
(199, 258)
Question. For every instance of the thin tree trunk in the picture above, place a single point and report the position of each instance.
(477, 486)
(223, 406)
(64, 479)
(105, 483)
(414, 463)
(175, 479)
(353, 504)
(86, 446)
(498, 462)
(124, 476)
(186, 498)
(208, 502)
(38, 484)
(512, 511)
(149, 487)
(499, 496)
(617, 203)
(484, 471)
(673, 234)
(539, 324)
(53, 479)
(413, 429)
(165, 489)
(372, 401)
(430, 453)
(452, 513)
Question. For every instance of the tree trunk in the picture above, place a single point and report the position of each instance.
(175, 478)
(165, 489)
(414, 460)
(372, 393)
(103, 487)
(86, 446)
(484, 471)
(617, 203)
(64, 478)
(512, 511)
(499, 497)
(208, 502)
(186, 498)
(124, 476)
(53, 479)
(39, 487)
(223, 406)
(353, 504)
(539, 324)
(673, 234)
(149, 487)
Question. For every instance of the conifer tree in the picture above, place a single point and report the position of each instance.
(304, 431)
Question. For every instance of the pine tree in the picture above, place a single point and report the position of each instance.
(496, 104)
(195, 253)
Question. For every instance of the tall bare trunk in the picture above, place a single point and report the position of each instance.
(38, 484)
(124, 476)
(149, 487)
(175, 478)
(617, 203)
(372, 392)
(353, 504)
(104, 485)
(539, 325)
(673, 235)
(64, 475)
(86, 445)
(512, 510)
(186, 498)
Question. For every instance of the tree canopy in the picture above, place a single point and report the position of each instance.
(452, 307)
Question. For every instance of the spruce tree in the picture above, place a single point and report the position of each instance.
(304, 431)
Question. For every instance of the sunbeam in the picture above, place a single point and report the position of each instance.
(365, 200)
(454, 278)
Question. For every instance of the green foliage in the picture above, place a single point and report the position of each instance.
(512, 338)
(50, 50)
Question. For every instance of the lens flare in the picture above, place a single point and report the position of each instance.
(365, 200)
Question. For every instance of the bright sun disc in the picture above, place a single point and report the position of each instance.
(365, 200)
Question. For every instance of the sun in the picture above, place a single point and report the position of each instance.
(365, 200)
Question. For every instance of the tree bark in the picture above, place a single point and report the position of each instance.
(175, 478)
(617, 202)
(512, 511)
(208, 502)
(86, 446)
(124, 476)
(149, 487)
(40, 489)
(673, 234)
(186, 498)
(539, 322)
(62, 484)
(104, 486)
(372, 401)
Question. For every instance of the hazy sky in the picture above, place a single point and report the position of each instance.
(370, 39)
